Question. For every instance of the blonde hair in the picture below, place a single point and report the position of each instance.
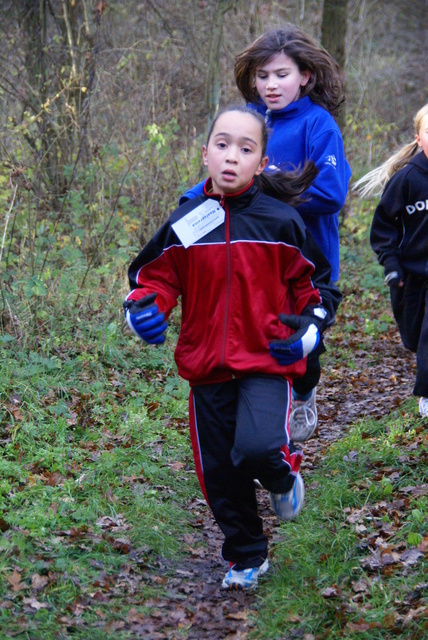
(373, 182)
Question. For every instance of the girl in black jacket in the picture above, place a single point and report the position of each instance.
(399, 237)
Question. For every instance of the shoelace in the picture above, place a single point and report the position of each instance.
(303, 414)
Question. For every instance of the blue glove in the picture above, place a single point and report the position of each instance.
(145, 320)
(304, 341)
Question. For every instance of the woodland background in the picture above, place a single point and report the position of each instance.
(105, 106)
(103, 530)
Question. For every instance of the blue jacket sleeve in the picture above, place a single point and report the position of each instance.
(327, 194)
(194, 192)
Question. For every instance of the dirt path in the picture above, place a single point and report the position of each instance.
(196, 602)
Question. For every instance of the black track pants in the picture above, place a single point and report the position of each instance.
(410, 308)
(240, 432)
(310, 379)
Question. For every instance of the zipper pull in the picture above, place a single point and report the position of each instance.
(222, 201)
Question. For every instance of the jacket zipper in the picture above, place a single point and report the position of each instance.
(228, 277)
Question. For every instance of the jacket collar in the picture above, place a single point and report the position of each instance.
(290, 111)
(420, 160)
(239, 198)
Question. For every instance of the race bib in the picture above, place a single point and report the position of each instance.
(199, 222)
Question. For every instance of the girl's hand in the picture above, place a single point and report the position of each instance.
(145, 320)
(394, 279)
(300, 344)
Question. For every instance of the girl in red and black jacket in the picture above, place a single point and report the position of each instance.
(399, 237)
(256, 295)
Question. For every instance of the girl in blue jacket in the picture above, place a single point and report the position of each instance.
(297, 86)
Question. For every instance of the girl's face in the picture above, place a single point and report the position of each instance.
(234, 152)
(278, 81)
(422, 136)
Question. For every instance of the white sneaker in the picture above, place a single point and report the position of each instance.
(303, 417)
(423, 407)
(288, 505)
(244, 578)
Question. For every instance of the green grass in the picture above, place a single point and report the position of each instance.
(95, 468)
(362, 499)
(354, 510)
(96, 474)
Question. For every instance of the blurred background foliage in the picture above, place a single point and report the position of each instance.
(105, 106)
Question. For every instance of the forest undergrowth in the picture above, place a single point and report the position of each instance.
(104, 532)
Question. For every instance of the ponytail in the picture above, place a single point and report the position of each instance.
(287, 186)
(373, 182)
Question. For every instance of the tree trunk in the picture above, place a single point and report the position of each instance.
(212, 83)
(333, 36)
(57, 95)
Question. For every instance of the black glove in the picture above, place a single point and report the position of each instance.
(145, 320)
(394, 278)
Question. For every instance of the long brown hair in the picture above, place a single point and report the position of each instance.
(325, 85)
(287, 186)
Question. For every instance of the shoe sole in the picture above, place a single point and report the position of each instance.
(305, 437)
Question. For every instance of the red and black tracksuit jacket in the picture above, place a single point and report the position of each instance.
(233, 283)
